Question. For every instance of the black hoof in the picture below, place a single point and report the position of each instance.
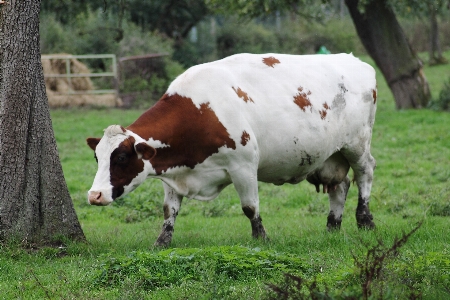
(365, 221)
(258, 230)
(333, 223)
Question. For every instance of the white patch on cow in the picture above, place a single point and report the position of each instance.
(156, 144)
(113, 130)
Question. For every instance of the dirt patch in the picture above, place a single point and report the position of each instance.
(58, 89)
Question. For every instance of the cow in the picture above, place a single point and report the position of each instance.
(273, 118)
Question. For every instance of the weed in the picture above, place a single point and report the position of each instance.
(373, 263)
(295, 287)
(174, 266)
(369, 271)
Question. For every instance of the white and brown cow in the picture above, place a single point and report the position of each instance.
(243, 119)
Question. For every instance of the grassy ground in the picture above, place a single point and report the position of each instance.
(412, 149)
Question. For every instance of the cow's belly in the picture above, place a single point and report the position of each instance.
(288, 169)
(330, 171)
(292, 156)
(204, 182)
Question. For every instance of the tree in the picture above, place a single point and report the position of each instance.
(385, 41)
(427, 9)
(35, 205)
(379, 31)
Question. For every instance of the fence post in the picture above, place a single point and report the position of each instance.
(69, 79)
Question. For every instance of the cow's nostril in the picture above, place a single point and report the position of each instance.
(95, 198)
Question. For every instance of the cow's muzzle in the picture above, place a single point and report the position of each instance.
(96, 198)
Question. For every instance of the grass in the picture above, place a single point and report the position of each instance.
(412, 149)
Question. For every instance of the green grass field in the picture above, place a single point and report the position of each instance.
(213, 256)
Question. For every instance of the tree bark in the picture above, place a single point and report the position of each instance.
(386, 43)
(35, 205)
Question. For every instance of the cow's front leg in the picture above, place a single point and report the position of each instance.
(172, 204)
(246, 185)
(337, 198)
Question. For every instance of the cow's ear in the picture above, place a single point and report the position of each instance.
(145, 151)
(92, 142)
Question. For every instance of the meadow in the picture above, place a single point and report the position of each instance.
(212, 255)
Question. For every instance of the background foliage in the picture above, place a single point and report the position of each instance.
(192, 34)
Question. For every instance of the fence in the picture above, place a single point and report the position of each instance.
(70, 75)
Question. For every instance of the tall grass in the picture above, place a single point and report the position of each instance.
(412, 149)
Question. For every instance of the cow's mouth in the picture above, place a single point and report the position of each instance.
(96, 198)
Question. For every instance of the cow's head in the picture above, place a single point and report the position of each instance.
(123, 162)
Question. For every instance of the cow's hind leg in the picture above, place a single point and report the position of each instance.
(172, 204)
(246, 185)
(363, 167)
(337, 197)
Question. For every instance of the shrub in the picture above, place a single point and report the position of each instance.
(293, 37)
(250, 38)
(443, 101)
(176, 266)
(146, 79)
(299, 37)
(54, 37)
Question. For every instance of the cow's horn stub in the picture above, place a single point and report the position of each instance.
(114, 130)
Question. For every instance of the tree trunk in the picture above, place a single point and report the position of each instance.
(435, 54)
(35, 205)
(386, 43)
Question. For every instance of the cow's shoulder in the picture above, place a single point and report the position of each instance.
(191, 133)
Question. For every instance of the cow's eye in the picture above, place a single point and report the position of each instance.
(121, 157)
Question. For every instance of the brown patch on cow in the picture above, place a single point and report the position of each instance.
(323, 112)
(271, 61)
(374, 95)
(243, 95)
(124, 166)
(245, 138)
(193, 134)
(249, 211)
(302, 100)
